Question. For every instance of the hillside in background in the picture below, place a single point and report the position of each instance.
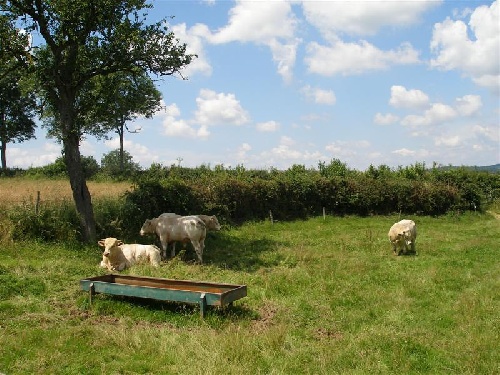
(484, 168)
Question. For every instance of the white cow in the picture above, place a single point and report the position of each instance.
(403, 234)
(117, 256)
(183, 229)
(210, 221)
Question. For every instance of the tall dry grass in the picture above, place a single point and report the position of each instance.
(19, 190)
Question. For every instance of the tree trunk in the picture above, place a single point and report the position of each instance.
(81, 194)
(3, 146)
(3, 142)
(120, 133)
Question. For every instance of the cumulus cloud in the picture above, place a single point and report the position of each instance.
(363, 17)
(403, 98)
(269, 126)
(355, 58)
(24, 158)
(219, 109)
(318, 95)
(468, 105)
(140, 153)
(174, 127)
(269, 23)
(438, 113)
(346, 148)
(404, 152)
(241, 154)
(193, 37)
(448, 141)
(473, 49)
(386, 119)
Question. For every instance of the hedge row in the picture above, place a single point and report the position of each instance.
(236, 200)
(239, 195)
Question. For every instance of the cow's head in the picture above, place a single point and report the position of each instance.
(405, 236)
(108, 244)
(214, 223)
(147, 227)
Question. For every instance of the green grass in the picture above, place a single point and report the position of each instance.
(324, 297)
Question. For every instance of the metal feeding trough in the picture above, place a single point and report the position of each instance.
(202, 293)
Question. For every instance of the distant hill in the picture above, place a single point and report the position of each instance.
(486, 168)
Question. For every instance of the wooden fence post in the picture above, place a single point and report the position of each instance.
(37, 203)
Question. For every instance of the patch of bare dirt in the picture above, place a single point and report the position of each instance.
(265, 318)
(328, 334)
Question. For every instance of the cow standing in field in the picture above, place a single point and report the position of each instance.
(402, 235)
(117, 256)
(210, 221)
(183, 229)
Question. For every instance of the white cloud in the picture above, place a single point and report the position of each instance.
(319, 96)
(491, 133)
(193, 39)
(438, 113)
(448, 141)
(269, 23)
(173, 127)
(468, 104)
(140, 153)
(404, 152)
(355, 58)
(269, 126)
(363, 17)
(219, 109)
(242, 151)
(18, 157)
(403, 98)
(477, 57)
(257, 21)
(287, 141)
(386, 119)
(346, 148)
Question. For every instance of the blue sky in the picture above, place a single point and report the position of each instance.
(278, 83)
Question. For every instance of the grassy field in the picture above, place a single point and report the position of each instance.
(324, 297)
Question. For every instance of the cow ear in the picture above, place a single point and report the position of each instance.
(100, 243)
(119, 243)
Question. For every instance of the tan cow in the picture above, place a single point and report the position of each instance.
(117, 256)
(183, 229)
(402, 235)
(210, 221)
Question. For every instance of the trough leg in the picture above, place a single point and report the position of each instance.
(91, 293)
(203, 305)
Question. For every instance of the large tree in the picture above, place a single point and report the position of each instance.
(17, 110)
(84, 40)
(17, 103)
(123, 97)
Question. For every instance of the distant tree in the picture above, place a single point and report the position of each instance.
(85, 40)
(116, 164)
(122, 97)
(17, 105)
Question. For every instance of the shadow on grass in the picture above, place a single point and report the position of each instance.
(156, 311)
(237, 254)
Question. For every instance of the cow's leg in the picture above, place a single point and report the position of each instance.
(199, 250)
(164, 244)
(172, 252)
